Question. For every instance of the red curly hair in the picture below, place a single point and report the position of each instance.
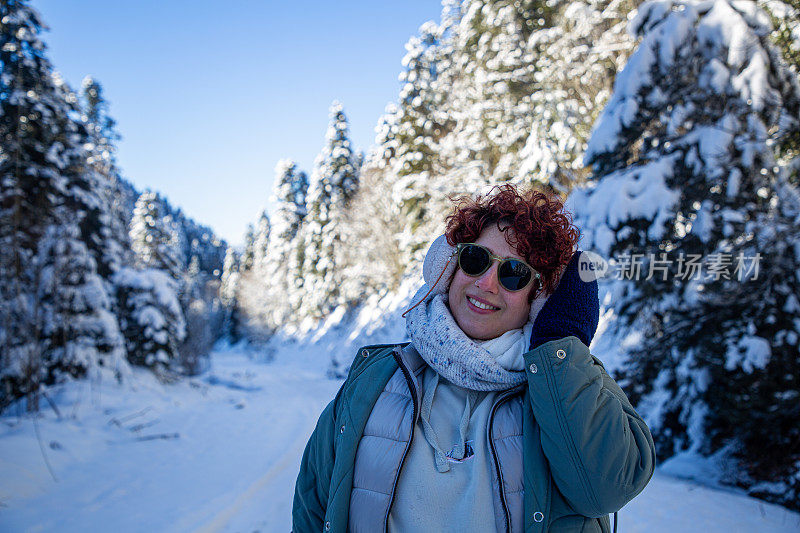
(536, 226)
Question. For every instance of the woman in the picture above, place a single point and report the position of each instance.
(495, 416)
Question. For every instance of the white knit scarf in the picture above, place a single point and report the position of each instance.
(491, 365)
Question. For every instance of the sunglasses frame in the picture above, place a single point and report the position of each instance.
(460, 247)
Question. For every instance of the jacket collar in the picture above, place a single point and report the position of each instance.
(411, 358)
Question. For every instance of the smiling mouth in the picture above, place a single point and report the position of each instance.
(481, 305)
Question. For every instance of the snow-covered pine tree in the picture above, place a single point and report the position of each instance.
(491, 81)
(747, 338)
(404, 198)
(198, 240)
(102, 157)
(227, 294)
(202, 311)
(153, 236)
(419, 123)
(333, 184)
(415, 131)
(201, 320)
(246, 263)
(385, 146)
(102, 126)
(373, 217)
(89, 195)
(198, 279)
(27, 202)
(281, 273)
(261, 240)
(227, 290)
(194, 279)
(785, 16)
(685, 176)
(762, 318)
(577, 59)
(201, 283)
(290, 190)
(79, 333)
(45, 180)
(179, 224)
(253, 302)
(153, 297)
(151, 318)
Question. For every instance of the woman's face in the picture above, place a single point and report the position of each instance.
(507, 310)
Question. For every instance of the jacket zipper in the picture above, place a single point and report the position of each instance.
(497, 404)
(413, 389)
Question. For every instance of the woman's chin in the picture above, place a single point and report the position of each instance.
(478, 332)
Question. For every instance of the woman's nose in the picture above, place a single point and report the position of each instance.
(488, 280)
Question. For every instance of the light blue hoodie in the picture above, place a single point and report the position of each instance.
(446, 480)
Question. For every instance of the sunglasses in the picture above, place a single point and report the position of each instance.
(513, 274)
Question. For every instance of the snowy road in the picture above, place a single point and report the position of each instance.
(120, 466)
(220, 453)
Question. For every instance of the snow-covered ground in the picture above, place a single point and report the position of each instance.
(220, 452)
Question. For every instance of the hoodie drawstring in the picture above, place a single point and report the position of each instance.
(459, 449)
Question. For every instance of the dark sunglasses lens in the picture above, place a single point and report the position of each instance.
(514, 275)
(473, 260)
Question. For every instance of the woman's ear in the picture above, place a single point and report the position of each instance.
(536, 306)
(562, 270)
(438, 269)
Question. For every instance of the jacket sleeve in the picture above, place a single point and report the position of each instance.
(313, 481)
(600, 451)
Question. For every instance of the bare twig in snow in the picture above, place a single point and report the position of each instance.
(162, 436)
(139, 427)
(52, 404)
(119, 421)
(41, 447)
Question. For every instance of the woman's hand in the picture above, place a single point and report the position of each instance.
(573, 309)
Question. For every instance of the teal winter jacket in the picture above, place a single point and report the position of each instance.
(585, 451)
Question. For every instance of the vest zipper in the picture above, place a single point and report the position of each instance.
(497, 403)
(413, 390)
(409, 380)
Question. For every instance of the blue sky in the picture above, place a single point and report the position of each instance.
(208, 96)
